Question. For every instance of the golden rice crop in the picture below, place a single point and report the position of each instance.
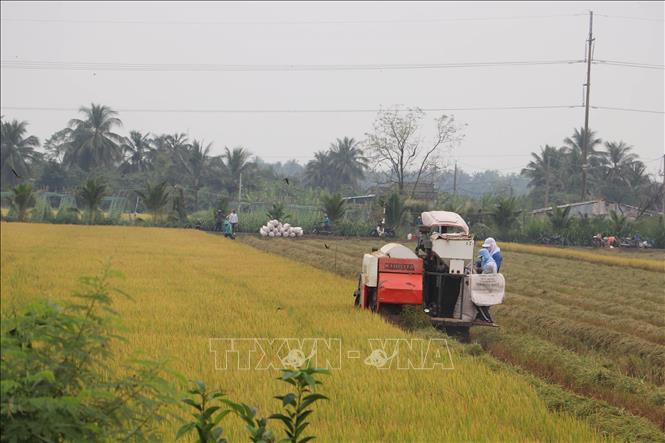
(188, 287)
(603, 259)
(603, 326)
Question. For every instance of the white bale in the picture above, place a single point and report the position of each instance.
(263, 233)
(278, 234)
(271, 234)
(286, 226)
(300, 233)
(293, 234)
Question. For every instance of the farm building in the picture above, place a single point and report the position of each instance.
(422, 191)
(594, 208)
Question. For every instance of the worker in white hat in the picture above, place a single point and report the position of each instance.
(495, 251)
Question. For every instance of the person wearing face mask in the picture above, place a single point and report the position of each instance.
(487, 263)
(495, 252)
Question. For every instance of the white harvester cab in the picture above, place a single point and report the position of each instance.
(452, 292)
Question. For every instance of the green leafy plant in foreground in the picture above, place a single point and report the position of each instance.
(56, 383)
(207, 416)
(297, 406)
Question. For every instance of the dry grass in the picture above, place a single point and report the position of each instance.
(189, 286)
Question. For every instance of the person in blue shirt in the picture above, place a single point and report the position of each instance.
(487, 263)
(495, 252)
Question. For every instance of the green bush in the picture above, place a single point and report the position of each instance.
(55, 379)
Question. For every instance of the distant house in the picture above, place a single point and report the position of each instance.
(593, 208)
(423, 191)
(360, 199)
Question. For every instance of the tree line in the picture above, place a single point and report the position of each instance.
(392, 153)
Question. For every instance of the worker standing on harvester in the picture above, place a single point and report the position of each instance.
(487, 266)
(495, 252)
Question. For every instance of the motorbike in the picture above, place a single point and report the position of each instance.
(387, 232)
(323, 230)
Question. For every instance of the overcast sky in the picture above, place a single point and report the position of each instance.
(380, 33)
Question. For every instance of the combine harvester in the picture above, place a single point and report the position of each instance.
(439, 276)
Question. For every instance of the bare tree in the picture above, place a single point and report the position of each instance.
(397, 147)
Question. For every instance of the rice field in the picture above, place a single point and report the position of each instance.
(622, 258)
(188, 287)
(572, 318)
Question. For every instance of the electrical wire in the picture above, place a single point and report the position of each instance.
(650, 19)
(628, 64)
(292, 111)
(168, 67)
(286, 22)
(615, 108)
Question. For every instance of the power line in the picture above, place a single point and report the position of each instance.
(169, 67)
(291, 111)
(650, 19)
(329, 111)
(615, 108)
(285, 22)
(628, 64)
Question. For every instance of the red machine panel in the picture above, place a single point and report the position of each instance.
(401, 265)
(400, 281)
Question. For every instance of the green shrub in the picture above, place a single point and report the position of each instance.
(210, 408)
(55, 378)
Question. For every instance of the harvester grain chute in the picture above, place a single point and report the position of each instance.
(439, 276)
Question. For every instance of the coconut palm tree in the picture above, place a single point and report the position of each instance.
(22, 200)
(505, 213)
(17, 152)
(574, 149)
(277, 212)
(318, 172)
(138, 148)
(91, 195)
(619, 224)
(545, 170)
(333, 207)
(560, 219)
(195, 161)
(235, 163)
(155, 197)
(347, 161)
(616, 159)
(93, 144)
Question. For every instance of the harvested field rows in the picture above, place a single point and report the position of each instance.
(575, 320)
(589, 256)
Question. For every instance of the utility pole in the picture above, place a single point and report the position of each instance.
(455, 181)
(586, 108)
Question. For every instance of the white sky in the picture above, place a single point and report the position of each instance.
(370, 33)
